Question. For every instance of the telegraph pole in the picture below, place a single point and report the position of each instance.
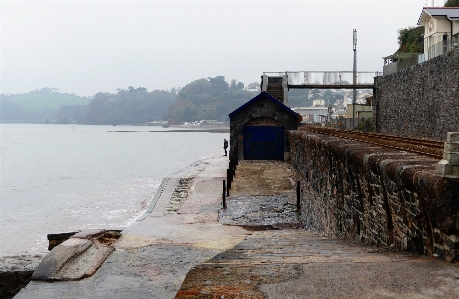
(354, 78)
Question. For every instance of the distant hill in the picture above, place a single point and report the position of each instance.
(209, 99)
(39, 102)
(129, 106)
(203, 99)
(36, 107)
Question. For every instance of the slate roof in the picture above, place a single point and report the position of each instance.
(451, 13)
(266, 95)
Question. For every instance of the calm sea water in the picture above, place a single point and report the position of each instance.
(61, 178)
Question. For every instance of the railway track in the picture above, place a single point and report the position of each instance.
(431, 148)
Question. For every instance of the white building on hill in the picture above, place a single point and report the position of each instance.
(440, 24)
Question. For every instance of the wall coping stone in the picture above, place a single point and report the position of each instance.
(449, 166)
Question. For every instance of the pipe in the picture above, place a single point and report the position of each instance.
(451, 24)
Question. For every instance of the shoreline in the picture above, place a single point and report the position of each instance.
(221, 130)
(141, 214)
(17, 269)
(182, 173)
(163, 246)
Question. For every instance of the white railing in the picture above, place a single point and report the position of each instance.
(436, 50)
(325, 77)
(442, 47)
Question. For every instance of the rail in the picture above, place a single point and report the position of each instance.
(335, 78)
(426, 147)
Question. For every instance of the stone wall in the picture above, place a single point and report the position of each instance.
(375, 195)
(421, 101)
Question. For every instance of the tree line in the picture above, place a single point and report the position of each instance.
(210, 98)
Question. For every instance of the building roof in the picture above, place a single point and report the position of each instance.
(265, 95)
(451, 13)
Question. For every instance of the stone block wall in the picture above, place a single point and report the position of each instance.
(421, 101)
(375, 195)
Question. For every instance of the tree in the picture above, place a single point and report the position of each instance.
(211, 98)
(253, 85)
(236, 86)
(328, 95)
(452, 3)
(45, 90)
(129, 106)
(411, 40)
(233, 84)
(315, 93)
(218, 84)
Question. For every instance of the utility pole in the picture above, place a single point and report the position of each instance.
(354, 78)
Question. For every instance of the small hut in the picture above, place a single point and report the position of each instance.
(258, 128)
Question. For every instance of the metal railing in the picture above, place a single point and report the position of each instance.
(440, 48)
(325, 77)
(436, 50)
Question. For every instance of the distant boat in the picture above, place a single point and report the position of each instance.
(114, 125)
(165, 125)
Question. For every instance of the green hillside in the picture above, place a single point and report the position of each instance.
(129, 106)
(39, 102)
(211, 98)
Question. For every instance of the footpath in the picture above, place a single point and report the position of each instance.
(153, 256)
(186, 246)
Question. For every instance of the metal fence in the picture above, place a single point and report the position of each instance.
(359, 123)
(436, 50)
(325, 77)
(440, 48)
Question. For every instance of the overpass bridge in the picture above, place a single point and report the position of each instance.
(278, 83)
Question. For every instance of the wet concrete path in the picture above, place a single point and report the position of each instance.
(185, 253)
(153, 256)
(295, 263)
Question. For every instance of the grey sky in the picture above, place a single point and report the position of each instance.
(89, 46)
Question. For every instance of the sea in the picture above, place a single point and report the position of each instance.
(64, 178)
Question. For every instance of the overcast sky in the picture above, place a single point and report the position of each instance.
(84, 47)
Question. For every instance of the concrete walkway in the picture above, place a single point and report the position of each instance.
(188, 254)
(154, 255)
(295, 263)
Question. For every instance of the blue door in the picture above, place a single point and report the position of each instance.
(263, 143)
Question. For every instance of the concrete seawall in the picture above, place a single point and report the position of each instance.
(376, 195)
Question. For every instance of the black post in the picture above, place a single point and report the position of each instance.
(228, 174)
(224, 195)
(236, 157)
(298, 195)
